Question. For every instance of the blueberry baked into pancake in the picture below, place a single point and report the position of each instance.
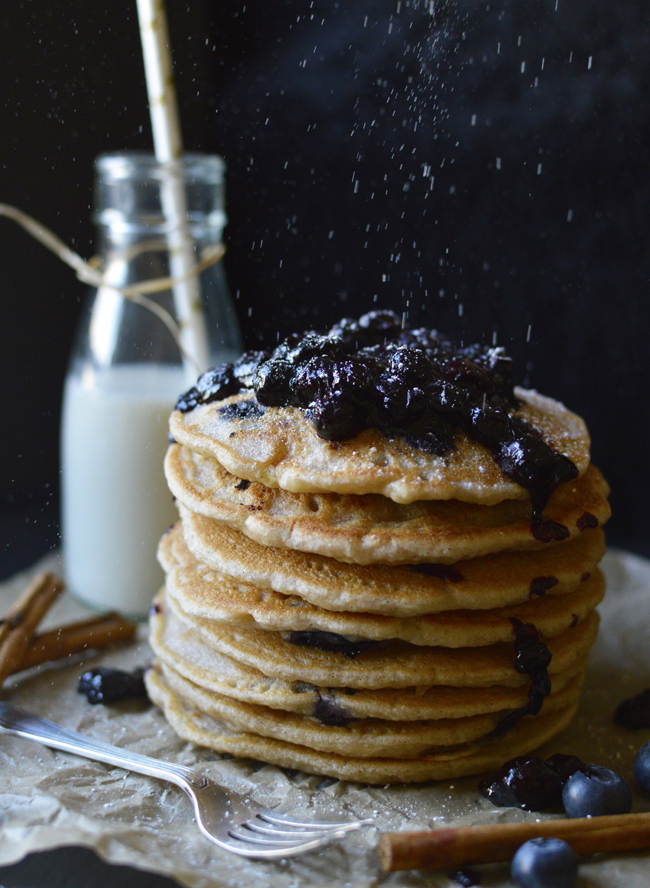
(386, 563)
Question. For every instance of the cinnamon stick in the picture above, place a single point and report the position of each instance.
(19, 624)
(95, 633)
(451, 848)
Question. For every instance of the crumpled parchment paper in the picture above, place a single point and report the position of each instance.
(49, 798)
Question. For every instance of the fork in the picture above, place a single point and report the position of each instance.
(230, 820)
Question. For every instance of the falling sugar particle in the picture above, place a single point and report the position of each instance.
(528, 333)
(591, 58)
(569, 215)
(494, 338)
(460, 309)
(539, 169)
(523, 67)
(498, 163)
(473, 121)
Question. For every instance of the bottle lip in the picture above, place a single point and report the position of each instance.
(196, 165)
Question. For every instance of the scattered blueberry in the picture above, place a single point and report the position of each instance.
(106, 685)
(635, 711)
(595, 790)
(642, 767)
(466, 877)
(544, 863)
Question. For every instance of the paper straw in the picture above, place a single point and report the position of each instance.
(168, 149)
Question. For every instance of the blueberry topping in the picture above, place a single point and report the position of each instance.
(104, 684)
(408, 383)
(544, 863)
(241, 410)
(213, 385)
(642, 767)
(635, 711)
(594, 790)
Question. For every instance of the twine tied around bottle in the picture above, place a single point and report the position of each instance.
(90, 271)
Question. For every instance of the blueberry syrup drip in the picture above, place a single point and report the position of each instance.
(540, 585)
(532, 658)
(549, 531)
(529, 782)
(408, 383)
(634, 712)
(330, 642)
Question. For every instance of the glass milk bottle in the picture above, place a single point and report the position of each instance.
(126, 373)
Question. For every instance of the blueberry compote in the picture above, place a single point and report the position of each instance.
(408, 383)
(531, 783)
(532, 658)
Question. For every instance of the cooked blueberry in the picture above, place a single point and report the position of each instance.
(564, 765)
(104, 684)
(594, 791)
(544, 863)
(213, 385)
(642, 767)
(524, 782)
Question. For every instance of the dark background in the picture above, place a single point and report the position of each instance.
(482, 167)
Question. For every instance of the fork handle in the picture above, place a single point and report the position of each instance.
(16, 721)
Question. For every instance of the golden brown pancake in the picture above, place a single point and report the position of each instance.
(373, 528)
(280, 448)
(212, 595)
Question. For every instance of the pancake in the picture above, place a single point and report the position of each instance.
(479, 583)
(387, 664)
(211, 595)
(471, 758)
(279, 447)
(362, 738)
(178, 646)
(373, 528)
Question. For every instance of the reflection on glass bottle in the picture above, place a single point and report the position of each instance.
(126, 372)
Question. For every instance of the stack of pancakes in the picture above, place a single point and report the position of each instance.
(362, 609)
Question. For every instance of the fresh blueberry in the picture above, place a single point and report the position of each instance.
(594, 790)
(544, 863)
(642, 767)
